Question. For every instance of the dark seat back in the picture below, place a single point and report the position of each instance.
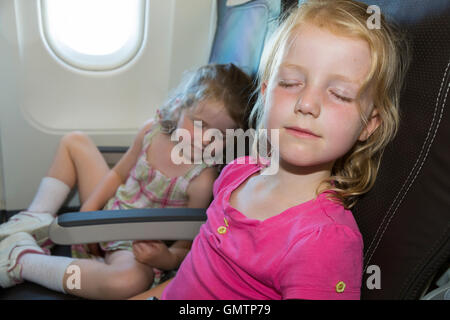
(405, 219)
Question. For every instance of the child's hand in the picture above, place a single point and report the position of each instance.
(155, 254)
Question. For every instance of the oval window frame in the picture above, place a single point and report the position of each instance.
(88, 62)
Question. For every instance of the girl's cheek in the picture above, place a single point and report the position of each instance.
(335, 126)
(188, 125)
(278, 93)
(268, 118)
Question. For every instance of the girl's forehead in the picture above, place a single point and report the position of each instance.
(313, 48)
(214, 113)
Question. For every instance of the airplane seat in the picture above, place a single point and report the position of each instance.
(405, 218)
(242, 31)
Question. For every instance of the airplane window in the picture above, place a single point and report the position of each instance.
(94, 34)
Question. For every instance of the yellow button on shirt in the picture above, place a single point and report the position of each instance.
(340, 287)
(222, 230)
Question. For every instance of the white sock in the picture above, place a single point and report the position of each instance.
(50, 196)
(47, 271)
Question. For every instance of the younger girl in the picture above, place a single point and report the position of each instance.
(329, 87)
(216, 96)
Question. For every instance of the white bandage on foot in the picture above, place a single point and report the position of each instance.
(50, 196)
(47, 271)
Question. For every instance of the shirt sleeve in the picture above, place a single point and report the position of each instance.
(325, 264)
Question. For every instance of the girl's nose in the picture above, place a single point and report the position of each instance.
(308, 102)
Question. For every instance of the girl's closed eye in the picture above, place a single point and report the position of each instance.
(341, 97)
(289, 83)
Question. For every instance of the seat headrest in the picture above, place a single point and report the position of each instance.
(242, 30)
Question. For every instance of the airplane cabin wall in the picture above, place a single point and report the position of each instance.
(43, 98)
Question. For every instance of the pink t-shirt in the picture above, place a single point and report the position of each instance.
(310, 251)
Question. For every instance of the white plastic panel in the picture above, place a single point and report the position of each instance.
(43, 98)
(2, 192)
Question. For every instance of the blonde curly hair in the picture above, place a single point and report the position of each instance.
(355, 173)
(219, 82)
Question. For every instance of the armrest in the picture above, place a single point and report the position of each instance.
(134, 224)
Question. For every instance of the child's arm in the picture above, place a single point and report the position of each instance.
(117, 175)
(199, 192)
(155, 253)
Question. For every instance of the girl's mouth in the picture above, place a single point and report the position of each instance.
(300, 132)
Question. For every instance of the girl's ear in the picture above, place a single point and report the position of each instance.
(373, 123)
(263, 88)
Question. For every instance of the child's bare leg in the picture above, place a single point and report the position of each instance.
(153, 292)
(78, 161)
(119, 277)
